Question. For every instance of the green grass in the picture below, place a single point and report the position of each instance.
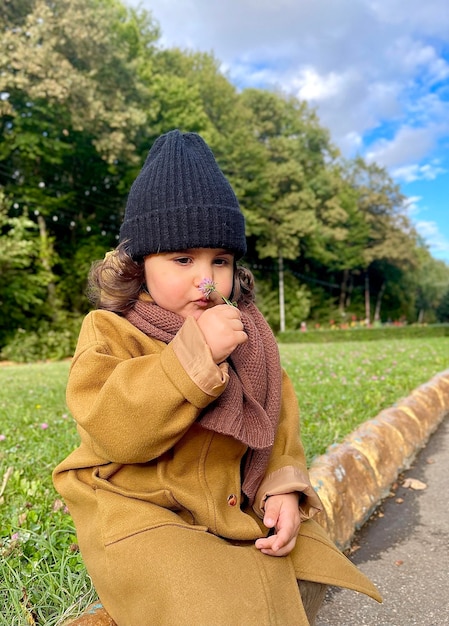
(41, 572)
(339, 386)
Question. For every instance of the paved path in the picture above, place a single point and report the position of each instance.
(405, 551)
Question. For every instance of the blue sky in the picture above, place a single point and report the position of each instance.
(377, 72)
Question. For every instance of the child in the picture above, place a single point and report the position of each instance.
(189, 491)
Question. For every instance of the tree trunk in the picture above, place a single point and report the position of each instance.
(379, 302)
(367, 300)
(343, 292)
(45, 256)
(281, 294)
(349, 292)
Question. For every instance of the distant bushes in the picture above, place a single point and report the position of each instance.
(364, 334)
(50, 342)
(54, 342)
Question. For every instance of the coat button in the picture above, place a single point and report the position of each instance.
(232, 499)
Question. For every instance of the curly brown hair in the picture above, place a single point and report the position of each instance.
(116, 282)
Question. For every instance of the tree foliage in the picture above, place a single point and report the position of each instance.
(23, 280)
(442, 311)
(85, 89)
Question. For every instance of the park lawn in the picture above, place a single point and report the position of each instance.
(41, 572)
(339, 385)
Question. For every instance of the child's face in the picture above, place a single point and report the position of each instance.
(173, 278)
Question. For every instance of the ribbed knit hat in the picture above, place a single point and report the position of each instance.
(180, 200)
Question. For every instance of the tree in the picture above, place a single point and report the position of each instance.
(84, 91)
(23, 279)
(297, 295)
(74, 107)
(443, 308)
(391, 241)
(300, 202)
(431, 283)
(346, 256)
(194, 95)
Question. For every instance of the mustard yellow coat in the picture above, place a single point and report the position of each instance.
(156, 498)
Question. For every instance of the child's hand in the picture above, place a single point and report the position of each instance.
(281, 514)
(222, 329)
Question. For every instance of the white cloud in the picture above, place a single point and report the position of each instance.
(436, 240)
(361, 64)
(411, 205)
(408, 145)
(431, 232)
(235, 27)
(430, 18)
(413, 56)
(415, 171)
(315, 87)
(377, 71)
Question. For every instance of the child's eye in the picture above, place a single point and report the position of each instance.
(222, 261)
(182, 260)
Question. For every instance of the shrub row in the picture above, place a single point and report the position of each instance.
(364, 334)
(56, 342)
(50, 342)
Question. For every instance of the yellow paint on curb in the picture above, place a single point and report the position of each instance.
(353, 477)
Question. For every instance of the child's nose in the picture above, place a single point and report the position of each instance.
(201, 275)
(205, 270)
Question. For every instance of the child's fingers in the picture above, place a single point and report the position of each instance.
(284, 525)
(283, 537)
(272, 510)
(223, 330)
(276, 539)
(272, 547)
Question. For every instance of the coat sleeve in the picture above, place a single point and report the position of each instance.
(287, 469)
(130, 395)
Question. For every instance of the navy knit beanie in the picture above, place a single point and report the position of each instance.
(180, 200)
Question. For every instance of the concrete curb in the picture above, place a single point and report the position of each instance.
(94, 615)
(352, 478)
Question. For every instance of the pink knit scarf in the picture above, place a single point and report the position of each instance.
(249, 407)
